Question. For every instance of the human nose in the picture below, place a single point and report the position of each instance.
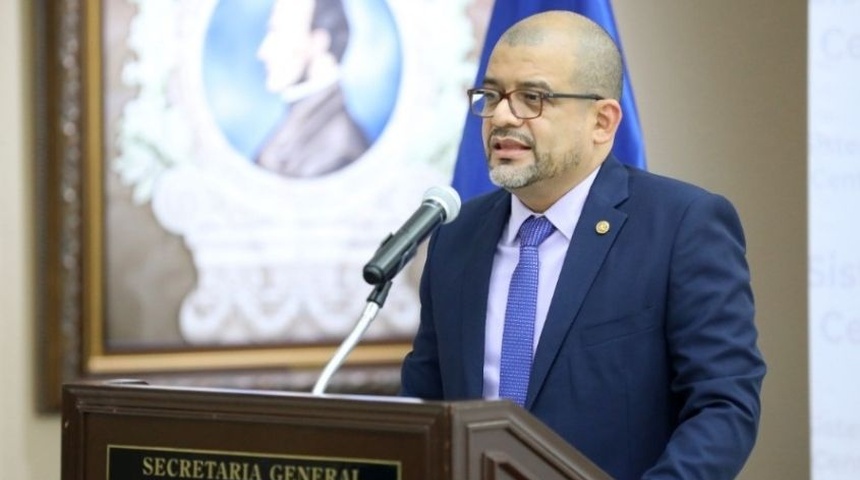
(504, 114)
(263, 49)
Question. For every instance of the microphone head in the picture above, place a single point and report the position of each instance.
(447, 198)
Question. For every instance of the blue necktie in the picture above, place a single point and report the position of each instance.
(518, 335)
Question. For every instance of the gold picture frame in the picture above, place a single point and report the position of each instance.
(70, 50)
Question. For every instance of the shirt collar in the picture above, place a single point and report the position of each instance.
(307, 88)
(563, 214)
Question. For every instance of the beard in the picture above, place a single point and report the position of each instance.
(511, 177)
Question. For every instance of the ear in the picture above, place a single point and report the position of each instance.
(607, 119)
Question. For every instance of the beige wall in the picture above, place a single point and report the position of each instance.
(29, 445)
(721, 88)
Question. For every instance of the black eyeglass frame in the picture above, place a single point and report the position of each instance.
(540, 94)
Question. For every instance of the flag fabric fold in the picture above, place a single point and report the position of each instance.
(470, 171)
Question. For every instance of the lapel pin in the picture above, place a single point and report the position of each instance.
(602, 227)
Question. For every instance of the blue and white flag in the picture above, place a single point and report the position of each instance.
(470, 172)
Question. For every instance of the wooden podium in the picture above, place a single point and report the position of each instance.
(130, 430)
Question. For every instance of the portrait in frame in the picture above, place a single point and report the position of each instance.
(213, 174)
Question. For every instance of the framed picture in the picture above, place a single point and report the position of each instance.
(213, 174)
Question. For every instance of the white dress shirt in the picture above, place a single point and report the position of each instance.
(564, 215)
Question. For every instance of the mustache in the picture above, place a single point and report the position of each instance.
(508, 133)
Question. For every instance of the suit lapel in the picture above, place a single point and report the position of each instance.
(583, 260)
(477, 266)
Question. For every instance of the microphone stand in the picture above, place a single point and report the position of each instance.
(374, 302)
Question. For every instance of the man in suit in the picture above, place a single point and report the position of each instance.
(643, 351)
(302, 51)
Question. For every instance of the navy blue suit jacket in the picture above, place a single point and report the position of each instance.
(648, 361)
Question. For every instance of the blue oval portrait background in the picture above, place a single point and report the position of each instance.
(234, 78)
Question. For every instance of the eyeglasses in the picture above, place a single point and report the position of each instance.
(524, 104)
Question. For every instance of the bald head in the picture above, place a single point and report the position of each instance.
(577, 39)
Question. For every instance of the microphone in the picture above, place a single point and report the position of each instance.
(441, 204)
